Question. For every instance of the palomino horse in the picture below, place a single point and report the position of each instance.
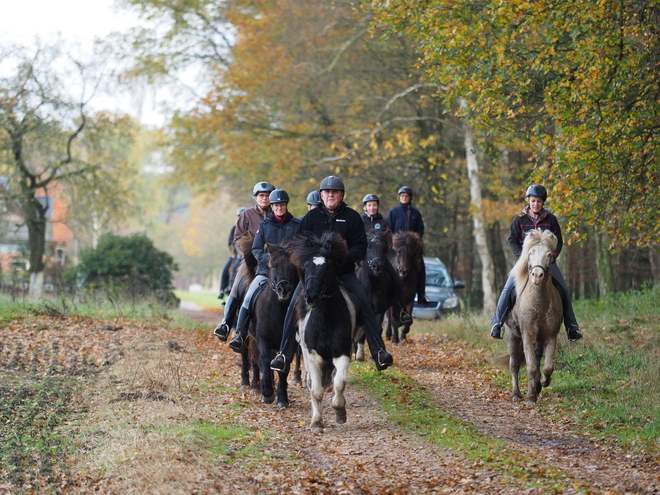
(533, 323)
(270, 308)
(406, 247)
(327, 321)
(374, 277)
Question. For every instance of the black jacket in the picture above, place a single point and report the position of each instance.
(272, 232)
(523, 223)
(347, 222)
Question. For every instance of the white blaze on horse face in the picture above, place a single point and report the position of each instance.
(318, 260)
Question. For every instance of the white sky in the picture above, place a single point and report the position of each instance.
(76, 21)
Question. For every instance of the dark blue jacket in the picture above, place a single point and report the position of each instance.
(406, 219)
(347, 222)
(272, 232)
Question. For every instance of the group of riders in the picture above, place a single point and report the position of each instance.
(270, 222)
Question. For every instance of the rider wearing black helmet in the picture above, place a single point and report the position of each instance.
(373, 221)
(535, 216)
(334, 215)
(278, 226)
(405, 218)
(313, 200)
(249, 220)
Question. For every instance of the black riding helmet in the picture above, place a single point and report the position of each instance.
(407, 190)
(279, 196)
(240, 210)
(314, 198)
(332, 182)
(262, 187)
(370, 197)
(538, 191)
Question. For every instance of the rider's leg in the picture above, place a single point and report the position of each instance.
(224, 279)
(289, 343)
(570, 322)
(231, 307)
(399, 309)
(372, 328)
(502, 307)
(238, 341)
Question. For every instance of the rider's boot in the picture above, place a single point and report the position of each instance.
(383, 360)
(572, 328)
(238, 341)
(223, 329)
(495, 332)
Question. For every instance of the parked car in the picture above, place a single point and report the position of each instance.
(440, 289)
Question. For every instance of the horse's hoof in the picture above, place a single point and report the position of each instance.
(245, 387)
(395, 342)
(359, 360)
(317, 428)
(283, 405)
(516, 398)
(530, 400)
(340, 415)
(255, 390)
(267, 400)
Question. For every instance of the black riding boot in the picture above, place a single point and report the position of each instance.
(570, 322)
(238, 341)
(222, 330)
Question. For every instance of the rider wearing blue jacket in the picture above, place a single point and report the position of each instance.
(405, 218)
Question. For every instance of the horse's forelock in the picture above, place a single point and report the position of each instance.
(533, 238)
(408, 239)
(331, 246)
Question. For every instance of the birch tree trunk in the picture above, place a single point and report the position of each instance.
(480, 237)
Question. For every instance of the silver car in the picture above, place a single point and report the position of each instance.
(440, 289)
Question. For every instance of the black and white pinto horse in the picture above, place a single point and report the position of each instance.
(265, 330)
(327, 321)
(378, 286)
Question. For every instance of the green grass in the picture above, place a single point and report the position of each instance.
(204, 300)
(414, 409)
(608, 383)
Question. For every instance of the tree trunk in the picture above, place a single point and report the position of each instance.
(36, 224)
(480, 234)
(604, 264)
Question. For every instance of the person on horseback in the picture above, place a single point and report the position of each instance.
(405, 218)
(278, 226)
(248, 221)
(535, 216)
(374, 220)
(334, 215)
(229, 269)
(313, 200)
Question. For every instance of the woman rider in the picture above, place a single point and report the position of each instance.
(534, 216)
(278, 226)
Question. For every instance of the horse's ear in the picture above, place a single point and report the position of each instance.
(308, 243)
(266, 247)
(328, 245)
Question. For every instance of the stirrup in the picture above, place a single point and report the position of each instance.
(222, 331)
(405, 317)
(279, 363)
(574, 333)
(237, 343)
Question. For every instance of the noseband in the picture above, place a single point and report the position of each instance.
(545, 270)
(322, 294)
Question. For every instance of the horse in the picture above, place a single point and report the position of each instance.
(406, 246)
(375, 279)
(327, 321)
(533, 323)
(270, 306)
(244, 244)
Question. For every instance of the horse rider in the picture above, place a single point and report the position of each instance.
(278, 226)
(313, 200)
(334, 215)
(373, 220)
(535, 216)
(230, 267)
(248, 221)
(405, 218)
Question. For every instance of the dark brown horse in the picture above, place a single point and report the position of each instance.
(265, 331)
(374, 277)
(406, 246)
(533, 323)
(244, 243)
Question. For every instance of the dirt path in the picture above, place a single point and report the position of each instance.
(132, 409)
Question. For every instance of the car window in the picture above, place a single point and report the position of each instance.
(438, 276)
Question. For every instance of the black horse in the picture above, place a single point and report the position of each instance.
(374, 277)
(327, 321)
(265, 331)
(405, 260)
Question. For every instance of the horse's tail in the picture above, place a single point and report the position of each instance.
(502, 361)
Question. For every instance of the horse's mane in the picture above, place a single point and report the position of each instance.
(533, 238)
(276, 251)
(408, 239)
(244, 244)
(330, 245)
(381, 237)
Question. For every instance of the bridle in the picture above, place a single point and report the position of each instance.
(322, 294)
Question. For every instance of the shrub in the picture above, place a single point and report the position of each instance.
(131, 264)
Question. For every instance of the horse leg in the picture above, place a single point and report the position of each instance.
(533, 359)
(339, 384)
(548, 362)
(267, 393)
(282, 390)
(514, 345)
(388, 329)
(245, 370)
(314, 364)
(359, 352)
(297, 374)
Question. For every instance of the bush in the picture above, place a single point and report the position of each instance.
(131, 264)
